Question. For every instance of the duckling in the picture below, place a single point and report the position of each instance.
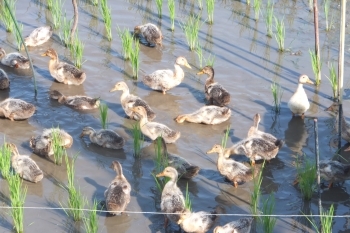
(14, 59)
(118, 193)
(256, 148)
(150, 32)
(24, 166)
(184, 169)
(38, 36)
(172, 200)
(334, 171)
(214, 92)
(242, 225)
(64, 72)
(299, 102)
(16, 109)
(76, 101)
(154, 129)
(164, 80)
(105, 137)
(210, 115)
(4, 80)
(234, 171)
(129, 101)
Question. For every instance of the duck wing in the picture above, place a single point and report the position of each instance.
(66, 71)
(157, 80)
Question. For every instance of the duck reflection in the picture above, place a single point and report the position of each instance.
(120, 223)
(296, 134)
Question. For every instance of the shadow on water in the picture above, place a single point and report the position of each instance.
(119, 154)
(296, 134)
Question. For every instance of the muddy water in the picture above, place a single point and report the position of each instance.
(247, 62)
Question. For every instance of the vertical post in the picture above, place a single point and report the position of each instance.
(75, 22)
(317, 40)
(341, 67)
(318, 167)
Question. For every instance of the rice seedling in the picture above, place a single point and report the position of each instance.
(56, 13)
(5, 15)
(134, 59)
(58, 150)
(306, 178)
(269, 17)
(326, 221)
(316, 66)
(171, 7)
(210, 60)
(255, 195)
(326, 12)
(103, 115)
(210, 10)
(5, 161)
(257, 6)
(200, 4)
(191, 29)
(107, 18)
(65, 30)
(225, 137)
(159, 4)
(333, 79)
(127, 40)
(277, 93)
(91, 221)
(280, 33)
(188, 202)
(76, 48)
(248, 2)
(268, 222)
(18, 35)
(49, 4)
(95, 2)
(311, 6)
(199, 52)
(161, 162)
(138, 139)
(17, 197)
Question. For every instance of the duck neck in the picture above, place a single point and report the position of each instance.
(210, 78)
(92, 135)
(300, 87)
(53, 62)
(143, 120)
(179, 73)
(125, 94)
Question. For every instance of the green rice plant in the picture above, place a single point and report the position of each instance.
(268, 222)
(65, 30)
(225, 137)
(257, 6)
(127, 40)
(200, 4)
(311, 6)
(171, 6)
(58, 150)
(280, 33)
(199, 52)
(159, 4)
(191, 29)
(103, 115)
(248, 2)
(138, 139)
(316, 66)
(255, 195)
(17, 198)
(5, 161)
(70, 172)
(134, 59)
(306, 178)
(210, 10)
(161, 162)
(326, 12)
(326, 221)
(76, 48)
(277, 93)
(107, 18)
(269, 18)
(5, 15)
(18, 35)
(95, 2)
(49, 4)
(91, 220)
(333, 79)
(188, 202)
(56, 13)
(210, 60)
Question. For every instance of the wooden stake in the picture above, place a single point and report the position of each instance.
(317, 40)
(318, 167)
(75, 22)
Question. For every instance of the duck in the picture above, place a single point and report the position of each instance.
(172, 200)
(234, 171)
(334, 171)
(77, 101)
(117, 194)
(38, 36)
(14, 59)
(24, 166)
(16, 109)
(63, 72)
(299, 102)
(256, 148)
(210, 115)
(150, 32)
(215, 93)
(255, 132)
(242, 225)
(197, 222)
(345, 127)
(105, 137)
(185, 170)
(154, 129)
(4, 80)
(164, 80)
(129, 101)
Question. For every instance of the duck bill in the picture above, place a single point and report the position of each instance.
(188, 66)
(133, 109)
(81, 135)
(310, 82)
(113, 89)
(210, 151)
(44, 54)
(160, 174)
(200, 72)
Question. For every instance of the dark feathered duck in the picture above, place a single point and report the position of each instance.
(4, 80)
(14, 59)
(76, 101)
(242, 225)
(150, 32)
(210, 115)
(16, 109)
(105, 137)
(334, 171)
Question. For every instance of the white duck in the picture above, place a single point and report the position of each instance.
(38, 36)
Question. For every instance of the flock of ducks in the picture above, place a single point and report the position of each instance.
(257, 145)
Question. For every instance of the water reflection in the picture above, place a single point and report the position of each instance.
(120, 223)
(245, 20)
(118, 154)
(254, 39)
(296, 134)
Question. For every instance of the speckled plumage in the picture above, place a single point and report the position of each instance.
(334, 171)
(118, 192)
(38, 36)
(242, 225)
(4, 80)
(62, 71)
(197, 222)
(16, 109)
(128, 101)
(77, 101)
(215, 93)
(150, 32)
(105, 137)
(14, 59)
(210, 115)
